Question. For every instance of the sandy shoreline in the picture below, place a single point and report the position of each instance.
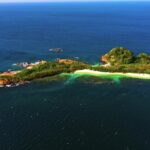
(99, 73)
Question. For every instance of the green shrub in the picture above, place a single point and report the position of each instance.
(143, 58)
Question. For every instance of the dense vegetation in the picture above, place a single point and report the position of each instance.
(143, 58)
(45, 70)
(120, 55)
(125, 68)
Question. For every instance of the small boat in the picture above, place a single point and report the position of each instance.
(56, 50)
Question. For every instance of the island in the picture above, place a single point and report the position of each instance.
(118, 62)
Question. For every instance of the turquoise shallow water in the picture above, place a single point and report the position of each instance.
(74, 115)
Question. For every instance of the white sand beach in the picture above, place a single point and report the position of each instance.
(98, 73)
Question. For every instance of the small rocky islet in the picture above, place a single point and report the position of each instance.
(120, 61)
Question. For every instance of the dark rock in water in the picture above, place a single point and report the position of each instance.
(56, 50)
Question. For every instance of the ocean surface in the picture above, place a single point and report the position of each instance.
(80, 115)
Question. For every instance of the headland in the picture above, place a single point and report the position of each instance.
(119, 62)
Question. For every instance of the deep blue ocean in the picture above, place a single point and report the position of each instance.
(81, 115)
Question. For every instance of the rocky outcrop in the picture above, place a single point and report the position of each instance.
(66, 61)
(8, 74)
(103, 59)
(56, 50)
(4, 82)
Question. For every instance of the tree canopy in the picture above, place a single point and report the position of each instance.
(143, 58)
(119, 55)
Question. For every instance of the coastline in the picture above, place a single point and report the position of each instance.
(73, 69)
(108, 74)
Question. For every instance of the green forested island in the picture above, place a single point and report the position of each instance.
(117, 60)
